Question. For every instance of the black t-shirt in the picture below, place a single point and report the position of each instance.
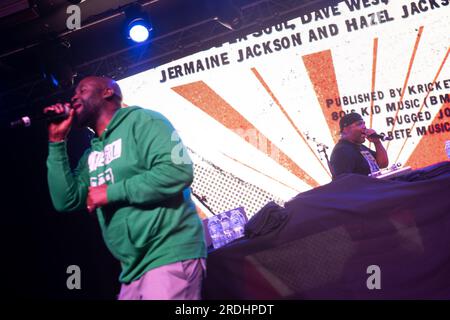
(348, 157)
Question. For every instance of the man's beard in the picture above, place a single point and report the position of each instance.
(84, 118)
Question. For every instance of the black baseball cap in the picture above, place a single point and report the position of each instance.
(348, 119)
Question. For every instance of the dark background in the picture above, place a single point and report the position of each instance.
(39, 243)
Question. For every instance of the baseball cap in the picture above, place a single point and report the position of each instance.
(348, 119)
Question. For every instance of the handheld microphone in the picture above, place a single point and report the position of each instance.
(379, 136)
(50, 116)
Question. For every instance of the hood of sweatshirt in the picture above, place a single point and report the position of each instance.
(117, 119)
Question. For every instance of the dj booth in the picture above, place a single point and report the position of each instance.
(355, 238)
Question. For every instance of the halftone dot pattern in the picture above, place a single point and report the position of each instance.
(222, 191)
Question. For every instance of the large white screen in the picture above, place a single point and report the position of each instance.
(259, 107)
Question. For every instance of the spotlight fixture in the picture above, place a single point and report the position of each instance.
(226, 13)
(138, 30)
(138, 24)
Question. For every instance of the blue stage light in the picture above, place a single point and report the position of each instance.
(139, 30)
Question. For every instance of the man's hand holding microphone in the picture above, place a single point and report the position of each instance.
(59, 129)
(57, 132)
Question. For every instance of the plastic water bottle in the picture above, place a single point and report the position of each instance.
(216, 232)
(447, 148)
(227, 228)
(238, 223)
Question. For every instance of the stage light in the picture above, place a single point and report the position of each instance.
(138, 30)
(230, 19)
(137, 23)
(226, 13)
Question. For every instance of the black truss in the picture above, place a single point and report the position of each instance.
(168, 47)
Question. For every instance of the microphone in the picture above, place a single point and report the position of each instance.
(50, 116)
(379, 136)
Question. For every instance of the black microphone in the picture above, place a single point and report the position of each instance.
(50, 116)
(379, 136)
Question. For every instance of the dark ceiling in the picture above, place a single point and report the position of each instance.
(36, 39)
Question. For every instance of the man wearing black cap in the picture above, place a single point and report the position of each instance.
(350, 155)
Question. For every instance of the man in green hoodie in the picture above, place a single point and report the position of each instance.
(137, 184)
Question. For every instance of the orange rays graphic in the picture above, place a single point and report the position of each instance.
(277, 102)
(374, 74)
(207, 100)
(262, 173)
(321, 72)
(424, 101)
(430, 146)
(411, 62)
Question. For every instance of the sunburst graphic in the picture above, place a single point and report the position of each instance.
(270, 120)
(322, 75)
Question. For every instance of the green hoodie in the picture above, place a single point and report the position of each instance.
(150, 220)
